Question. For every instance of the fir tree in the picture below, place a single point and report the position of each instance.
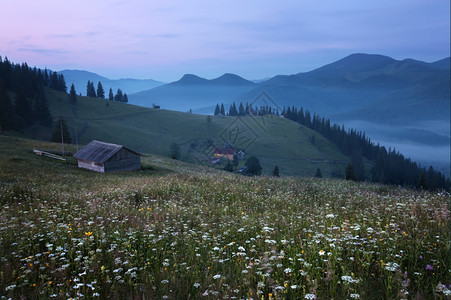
(217, 110)
(90, 91)
(42, 112)
(72, 94)
(6, 109)
(318, 173)
(100, 90)
(222, 109)
(23, 110)
(56, 136)
(119, 97)
(125, 98)
(110, 95)
(241, 111)
(253, 166)
(350, 172)
(275, 172)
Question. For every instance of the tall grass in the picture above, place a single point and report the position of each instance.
(191, 234)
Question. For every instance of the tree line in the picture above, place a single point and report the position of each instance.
(100, 93)
(244, 110)
(28, 105)
(388, 166)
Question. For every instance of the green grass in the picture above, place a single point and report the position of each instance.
(274, 140)
(175, 230)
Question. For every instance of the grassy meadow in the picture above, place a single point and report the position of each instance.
(179, 231)
(274, 140)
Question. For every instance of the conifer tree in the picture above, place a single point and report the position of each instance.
(241, 111)
(119, 96)
(318, 173)
(125, 98)
(110, 95)
(56, 136)
(72, 94)
(100, 90)
(222, 109)
(42, 112)
(350, 172)
(275, 172)
(90, 91)
(217, 109)
(6, 109)
(23, 110)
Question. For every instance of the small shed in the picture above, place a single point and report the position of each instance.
(105, 157)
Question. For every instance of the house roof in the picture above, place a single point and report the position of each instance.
(99, 151)
(225, 151)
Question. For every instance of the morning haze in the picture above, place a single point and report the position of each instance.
(225, 149)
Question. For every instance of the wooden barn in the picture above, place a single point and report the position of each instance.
(105, 157)
(227, 153)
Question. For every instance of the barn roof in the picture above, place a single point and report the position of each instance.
(99, 151)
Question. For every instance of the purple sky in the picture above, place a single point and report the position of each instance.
(255, 39)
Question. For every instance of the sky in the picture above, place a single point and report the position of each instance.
(256, 39)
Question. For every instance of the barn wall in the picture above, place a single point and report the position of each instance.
(90, 165)
(123, 160)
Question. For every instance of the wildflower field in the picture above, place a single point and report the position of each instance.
(174, 231)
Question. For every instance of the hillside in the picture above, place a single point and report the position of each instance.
(274, 140)
(180, 231)
(385, 97)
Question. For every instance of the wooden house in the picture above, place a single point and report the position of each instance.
(227, 153)
(105, 157)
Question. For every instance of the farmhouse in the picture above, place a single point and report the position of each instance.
(105, 157)
(227, 153)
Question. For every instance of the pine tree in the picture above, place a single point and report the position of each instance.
(119, 97)
(6, 109)
(217, 110)
(110, 95)
(100, 90)
(125, 98)
(56, 136)
(318, 173)
(253, 166)
(42, 112)
(23, 110)
(72, 94)
(90, 91)
(275, 172)
(222, 109)
(350, 172)
(241, 111)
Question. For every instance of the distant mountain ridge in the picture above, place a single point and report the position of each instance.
(370, 90)
(194, 92)
(128, 85)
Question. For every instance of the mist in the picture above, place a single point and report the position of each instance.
(427, 143)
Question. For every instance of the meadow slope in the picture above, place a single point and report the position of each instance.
(274, 140)
(180, 231)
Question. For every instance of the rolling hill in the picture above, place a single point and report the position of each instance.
(384, 97)
(274, 140)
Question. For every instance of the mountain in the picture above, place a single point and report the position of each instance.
(193, 92)
(380, 94)
(80, 79)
